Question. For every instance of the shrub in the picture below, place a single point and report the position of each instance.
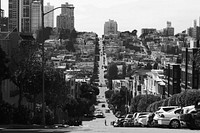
(173, 100)
(191, 97)
(141, 102)
(6, 111)
(165, 102)
(21, 115)
(181, 98)
(159, 103)
(37, 118)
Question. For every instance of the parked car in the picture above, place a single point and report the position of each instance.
(118, 122)
(136, 122)
(129, 120)
(161, 109)
(143, 120)
(99, 115)
(172, 117)
(192, 117)
(107, 110)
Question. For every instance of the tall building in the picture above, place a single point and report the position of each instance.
(20, 15)
(66, 19)
(36, 21)
(110, 27)
(190, 31)
(49, 18)
(169, 24)
(194, 31)
(13, 21)
(3, 20)
(169, 30)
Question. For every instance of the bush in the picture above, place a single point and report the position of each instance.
(141, 102)
(37, 118)
(6, 111)
(160, 103)
(173, 100)
(165, 102)
(191, 97)
(21, 115)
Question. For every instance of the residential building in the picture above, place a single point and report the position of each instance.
(140, 82)
(49, 18)
(36, 18)
(152, 81)
(110, 27)
(66, 19)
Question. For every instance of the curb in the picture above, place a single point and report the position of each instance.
(32, 126)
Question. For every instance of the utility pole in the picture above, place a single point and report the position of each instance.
(43, 63)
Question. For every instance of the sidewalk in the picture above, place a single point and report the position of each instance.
(16, 126)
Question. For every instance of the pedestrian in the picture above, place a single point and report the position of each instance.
(105, 122)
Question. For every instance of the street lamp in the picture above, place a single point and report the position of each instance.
(43, 62)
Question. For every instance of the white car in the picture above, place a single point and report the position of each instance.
(138, 116)
(142, 120)
(162, 109)
(172, 117)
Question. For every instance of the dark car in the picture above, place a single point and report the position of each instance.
(99, 115)
(192, 118)
(119, 122)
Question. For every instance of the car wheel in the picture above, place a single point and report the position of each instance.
(175, 124)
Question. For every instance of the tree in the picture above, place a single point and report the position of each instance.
(173, 100)
(109, 93)
(129, 69)
(21, 60)
(47, 33)
(73, 34)
(89, 93)
(56, 89)
(69, 45)
(64, 34)
(71, 106)
(148, 66)
(112, 74)
(155, 65)
(134, 32)
(141, 102)
(4, 71)
(119, 99)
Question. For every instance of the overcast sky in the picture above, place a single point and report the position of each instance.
(90, 15)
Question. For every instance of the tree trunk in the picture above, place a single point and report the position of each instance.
(20, 97)
(34, 103)
(1, 94)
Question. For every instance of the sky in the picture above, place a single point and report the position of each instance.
(90, 15)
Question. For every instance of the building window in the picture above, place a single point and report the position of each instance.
(26, 11)
(26, 2)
